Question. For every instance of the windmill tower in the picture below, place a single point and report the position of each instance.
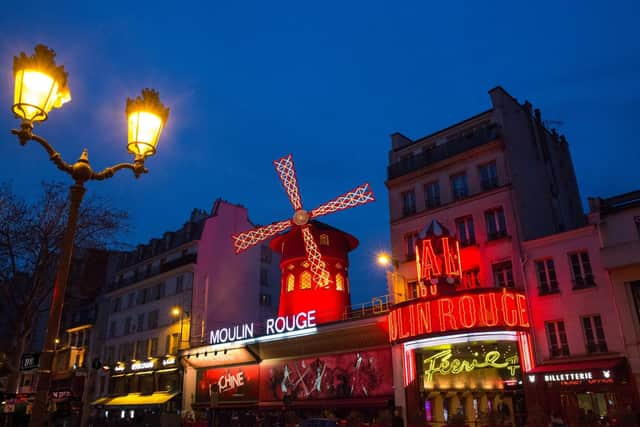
(304, 248)
(298, 292)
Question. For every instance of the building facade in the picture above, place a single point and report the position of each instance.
(618, 222)
(581, 371)
(157, 305)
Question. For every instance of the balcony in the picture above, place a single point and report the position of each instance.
(583, 282)
(442, 152)
(495, 235)
(621, 255)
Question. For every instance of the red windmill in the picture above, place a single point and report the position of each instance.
(284, 166)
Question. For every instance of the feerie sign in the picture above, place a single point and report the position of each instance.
(278, 325)
(473, 310)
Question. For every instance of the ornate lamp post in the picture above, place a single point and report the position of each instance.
(41, 85)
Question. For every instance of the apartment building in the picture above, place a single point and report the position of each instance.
(156, 306)
(495, 178)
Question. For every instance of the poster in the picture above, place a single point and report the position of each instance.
(336, 376)
(232, 384)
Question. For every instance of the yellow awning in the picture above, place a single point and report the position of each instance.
(141, 399)
(101, 401)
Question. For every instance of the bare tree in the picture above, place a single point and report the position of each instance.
(30, 239)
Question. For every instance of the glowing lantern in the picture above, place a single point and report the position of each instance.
(40, 85)
(146, 117)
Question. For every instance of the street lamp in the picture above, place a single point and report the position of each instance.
(40, 86)
(179, 315)
(396, 282)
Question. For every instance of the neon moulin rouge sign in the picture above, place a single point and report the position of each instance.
(483, 309)
(273, 326)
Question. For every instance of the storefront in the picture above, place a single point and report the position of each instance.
(339, 370)
(582, 392)
(141, 392)
(463, 356)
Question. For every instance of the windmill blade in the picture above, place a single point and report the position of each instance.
(246, 239)
(318, 267)
(358, 196)
(287, 174)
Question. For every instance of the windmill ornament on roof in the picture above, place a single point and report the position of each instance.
(301, 217)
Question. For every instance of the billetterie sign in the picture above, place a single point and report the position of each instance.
(494, 309)
(273, 326)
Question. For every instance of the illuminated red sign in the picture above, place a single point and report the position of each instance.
(478, 310)
(335, 376)
(233, 383)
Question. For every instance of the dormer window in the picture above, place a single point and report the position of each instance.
(324, 240)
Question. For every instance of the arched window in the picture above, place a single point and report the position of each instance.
(305, 280)
(291, 282)
(339, 282)
(324, 240)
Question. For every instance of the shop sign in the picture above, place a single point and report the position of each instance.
(229, 384)
(337, 376)
(277, 325)
(119, 367)
(577, 377)
(474, 310)
(139, 366)
(29, 361)
(169, 361)
(443, 363)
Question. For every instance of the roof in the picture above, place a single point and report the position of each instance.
(316, 225)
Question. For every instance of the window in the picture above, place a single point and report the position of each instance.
(152, 319)
(141, 349)
(339, 282)
(432, 195)
(153, 346)
(127, 326)
(635, 294)
(459, 186)
(132, 300)
(179, 284)
(408, 202)
(175, 343)
(581, 270)
(112, 329)
(323, 240)
(116, 304)
(264, 277)
(466, 233)
(496, 225)
(557, 338)
(594, 334)
(143, 296)
(471, 278)
(488, 176)
(503, 274)
(547, 282)
(305, 280)
(410, 242)
(291, 282)
(160, 290)
(265, 299)
(140, 322)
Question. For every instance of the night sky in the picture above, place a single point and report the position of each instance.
(248, 82)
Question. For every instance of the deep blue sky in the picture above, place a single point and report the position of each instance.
(248, 82)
